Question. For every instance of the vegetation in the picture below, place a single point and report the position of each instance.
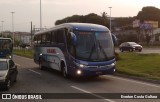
(149, 13)
(141, 65)
(90, 18)
(128, 37)
(24, 53)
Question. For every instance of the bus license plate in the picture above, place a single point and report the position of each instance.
(98, 72)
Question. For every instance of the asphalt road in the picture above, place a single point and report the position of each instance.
(33, 80)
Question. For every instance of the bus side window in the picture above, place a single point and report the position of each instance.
(53, 39)
(48, 38)
(70, 46)
(38, 39)
(35, 40)
(43, 41)
(60, 36)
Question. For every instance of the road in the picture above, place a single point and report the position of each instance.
(33, 80)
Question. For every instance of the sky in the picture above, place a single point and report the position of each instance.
(52, 10)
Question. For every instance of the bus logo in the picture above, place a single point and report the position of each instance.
(51, 51)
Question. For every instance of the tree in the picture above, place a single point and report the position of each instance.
(90, 18)
(149, 13)
(105, 19)
(104, 15)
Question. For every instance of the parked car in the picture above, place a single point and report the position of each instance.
(130, 46)
(8, 73)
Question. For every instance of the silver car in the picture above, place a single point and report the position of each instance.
(8, 73)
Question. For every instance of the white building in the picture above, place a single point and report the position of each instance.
(26, 39)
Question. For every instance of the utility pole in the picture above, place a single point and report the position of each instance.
(13, 26)
(110, 18)
(31, 33)
(2, 27)
(40, 16)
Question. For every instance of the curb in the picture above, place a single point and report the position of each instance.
(138, 78)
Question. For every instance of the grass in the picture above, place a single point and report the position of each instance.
(24, 53)
(141, 65)
(134, 64)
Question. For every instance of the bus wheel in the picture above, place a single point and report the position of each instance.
(40, 66)
(64, 72)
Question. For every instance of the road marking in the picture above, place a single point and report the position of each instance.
(138, 82)
(34, 72)
(92, 94)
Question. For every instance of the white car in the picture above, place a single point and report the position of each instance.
(8, 73)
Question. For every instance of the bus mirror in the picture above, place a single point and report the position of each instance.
(73, 38)
(114, 38)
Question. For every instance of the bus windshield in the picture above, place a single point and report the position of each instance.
(94, 46)
(5, 47)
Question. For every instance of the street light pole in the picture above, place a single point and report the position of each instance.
(40, 16)
(110, 18)
(2, 27)
(13, 26)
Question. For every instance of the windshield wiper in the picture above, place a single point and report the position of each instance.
(90, 55)
(102, 49)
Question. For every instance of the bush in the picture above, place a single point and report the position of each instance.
(117, 56)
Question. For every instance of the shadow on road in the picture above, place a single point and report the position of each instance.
(58, 74)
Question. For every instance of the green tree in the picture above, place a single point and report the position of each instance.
(149, 13)
(90, 18)
(105, 18)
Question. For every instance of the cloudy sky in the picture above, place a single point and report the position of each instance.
(52, 10)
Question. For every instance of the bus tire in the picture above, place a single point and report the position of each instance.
(41, 67)
(64, 73)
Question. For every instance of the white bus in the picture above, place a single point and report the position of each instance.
(76, 49)
(6, 48)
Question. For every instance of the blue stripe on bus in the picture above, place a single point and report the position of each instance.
(98, 63)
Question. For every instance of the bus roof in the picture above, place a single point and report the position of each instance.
(77, 26)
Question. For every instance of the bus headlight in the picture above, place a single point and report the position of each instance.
(113, 64)
(79, 72)
(81, 65)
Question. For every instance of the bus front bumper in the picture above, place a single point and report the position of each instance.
(85, 72)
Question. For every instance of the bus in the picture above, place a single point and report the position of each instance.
(6, 48)
(75, 49)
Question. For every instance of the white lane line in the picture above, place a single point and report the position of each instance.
(92, 94)
(34, 72)
(134, 81)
